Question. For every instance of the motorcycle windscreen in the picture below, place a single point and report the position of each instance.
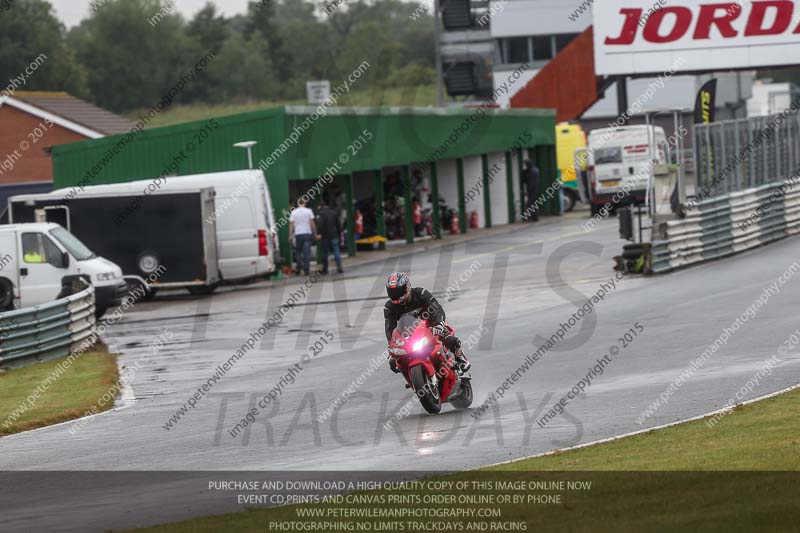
(407, 325)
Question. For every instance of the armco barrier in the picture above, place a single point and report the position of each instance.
(729, 224)
(46, 331)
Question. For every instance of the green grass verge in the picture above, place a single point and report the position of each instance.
(674, 479)
(421, 96)
(68, 397)
(760, 436)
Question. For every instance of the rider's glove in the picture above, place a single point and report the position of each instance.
(439, 329)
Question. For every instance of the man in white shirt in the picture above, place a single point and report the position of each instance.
(302, 229)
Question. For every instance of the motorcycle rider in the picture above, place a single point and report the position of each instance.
(404, 299)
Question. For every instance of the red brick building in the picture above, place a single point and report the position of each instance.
(32, 122)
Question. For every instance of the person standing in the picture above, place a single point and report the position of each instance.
(330, 235)
(532, 182)
(302, 229)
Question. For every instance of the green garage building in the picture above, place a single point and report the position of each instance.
(456, 150)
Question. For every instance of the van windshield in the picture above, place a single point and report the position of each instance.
(75, 247)
(604, 156)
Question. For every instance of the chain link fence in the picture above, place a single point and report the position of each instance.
(734, 155)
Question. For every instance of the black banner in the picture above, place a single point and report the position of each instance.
(706, 103)
(339, 501)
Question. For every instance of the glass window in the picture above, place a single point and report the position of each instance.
(517, 50)
(33, 248)
(542, 48)
(53, 254)
(563, 40)
(75, 247)
(603, 156)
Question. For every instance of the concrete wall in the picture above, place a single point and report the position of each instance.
(498, 188)
(473, 172)
(448, 185)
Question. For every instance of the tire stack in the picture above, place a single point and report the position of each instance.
(634, 259)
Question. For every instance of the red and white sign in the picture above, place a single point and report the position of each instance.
(654, 36)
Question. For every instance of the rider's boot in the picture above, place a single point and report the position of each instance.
(462, 363)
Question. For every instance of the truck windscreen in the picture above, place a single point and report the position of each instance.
(75, 247)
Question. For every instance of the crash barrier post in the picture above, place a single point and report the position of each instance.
(728, 224)
(47, 331)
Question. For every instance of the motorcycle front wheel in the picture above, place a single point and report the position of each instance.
(425, 390)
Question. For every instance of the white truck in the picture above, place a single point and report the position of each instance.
(37, 260)
(622, 161)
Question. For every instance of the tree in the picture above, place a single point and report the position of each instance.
(135, 52)
(208, 28)
(242, 70)
(208, 32)
(305, 42)
(261, 21)
(30, 34)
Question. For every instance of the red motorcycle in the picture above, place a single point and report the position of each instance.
(428, 366)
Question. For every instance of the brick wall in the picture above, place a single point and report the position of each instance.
(32, 164)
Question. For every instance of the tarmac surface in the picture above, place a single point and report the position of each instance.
(509, 291)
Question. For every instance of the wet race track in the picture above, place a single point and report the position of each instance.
(505, 295)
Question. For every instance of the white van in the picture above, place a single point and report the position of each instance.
(36, 260)
(246, 248)
(621, 163)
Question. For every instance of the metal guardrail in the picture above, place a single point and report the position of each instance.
(726, 225)
(46, 331)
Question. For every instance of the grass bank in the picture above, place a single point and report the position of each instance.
(421, 96)
(739, 475)
(68, 397)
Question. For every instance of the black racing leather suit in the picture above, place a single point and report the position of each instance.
(425, 307)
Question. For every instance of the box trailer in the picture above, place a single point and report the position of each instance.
(160, 239)
(245, 218)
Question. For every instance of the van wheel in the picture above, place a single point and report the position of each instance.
(139, 291)
(568, 200)
(6, 295)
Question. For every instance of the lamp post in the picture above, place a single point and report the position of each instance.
(247, 145)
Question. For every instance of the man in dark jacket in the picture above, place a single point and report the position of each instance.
(532, 182)
(403, 299)
(330, 234)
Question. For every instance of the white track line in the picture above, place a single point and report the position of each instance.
(639, 432)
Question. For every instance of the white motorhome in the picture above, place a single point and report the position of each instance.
(36, 260)
(622, 161)
(246, 246)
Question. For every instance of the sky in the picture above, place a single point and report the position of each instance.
(71, 12)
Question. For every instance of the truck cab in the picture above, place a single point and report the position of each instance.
(37, 260)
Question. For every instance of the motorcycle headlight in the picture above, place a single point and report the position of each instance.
(420, 344)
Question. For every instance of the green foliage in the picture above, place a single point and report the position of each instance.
(133, 59)
(29, 30)
(242, 70)
(128, 54)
